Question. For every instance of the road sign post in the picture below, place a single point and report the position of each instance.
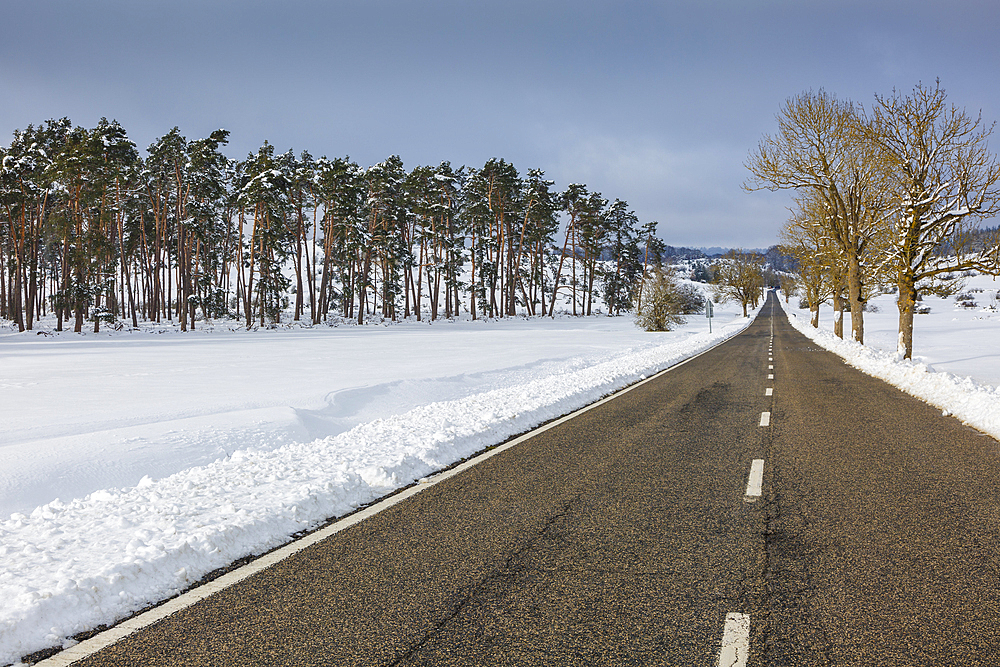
(709, 313)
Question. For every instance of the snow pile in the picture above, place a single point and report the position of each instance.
(974, 403)
(70, 566)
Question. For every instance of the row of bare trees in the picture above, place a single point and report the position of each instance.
(739, 276)
(90, 230)
(889, 197)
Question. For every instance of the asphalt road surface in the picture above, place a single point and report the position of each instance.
(626, 536)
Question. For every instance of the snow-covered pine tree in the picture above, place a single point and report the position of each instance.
(209, 227)
(621, 282)
(538, 229)
(492, 208)
(263, 193)
(387, 253)
(341, 192)
(28, 195)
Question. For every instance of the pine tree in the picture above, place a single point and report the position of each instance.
(621, 283)
(387, 253)
(264, 192)
(492, 208)
(340, 190)
(537, 232)
(207, 250)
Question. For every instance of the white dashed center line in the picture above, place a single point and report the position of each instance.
(769, 391)
(770, 376)
(735, 641)
(765, 419)
(756, 479)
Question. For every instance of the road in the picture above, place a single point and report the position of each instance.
(626, 536)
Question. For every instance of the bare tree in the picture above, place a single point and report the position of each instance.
(822, 146)
(740, 277)
(787, 282)
(944, 182)
(803, 239)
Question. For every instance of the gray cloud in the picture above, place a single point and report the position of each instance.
(657, 103)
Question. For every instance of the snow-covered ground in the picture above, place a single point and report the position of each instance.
(135, 463)
(956, 350)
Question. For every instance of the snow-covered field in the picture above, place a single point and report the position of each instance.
(135, 463)
(956, 350)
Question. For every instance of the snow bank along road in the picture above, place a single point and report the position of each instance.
(762, 504)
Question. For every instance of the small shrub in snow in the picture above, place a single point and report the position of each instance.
(691, 299)
(966, 300)
(662, 306)
(922, 310)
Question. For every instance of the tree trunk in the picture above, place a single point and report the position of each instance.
(854, 297)
(32, 282)
(906, 303)
(300, 239)
(838, 315)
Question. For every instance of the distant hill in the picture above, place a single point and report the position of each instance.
(678, 253)
(716, 250)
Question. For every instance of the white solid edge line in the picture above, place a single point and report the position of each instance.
(769, 391)
(735, 641)
(765, 419)
(756, 479)
(129, 626)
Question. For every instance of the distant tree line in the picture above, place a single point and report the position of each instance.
(888, 199)
(92, 231)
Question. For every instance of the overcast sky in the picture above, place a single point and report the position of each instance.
(656, 103)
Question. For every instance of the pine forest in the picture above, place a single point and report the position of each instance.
(92, 232)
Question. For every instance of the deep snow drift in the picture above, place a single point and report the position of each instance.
(173, 455)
